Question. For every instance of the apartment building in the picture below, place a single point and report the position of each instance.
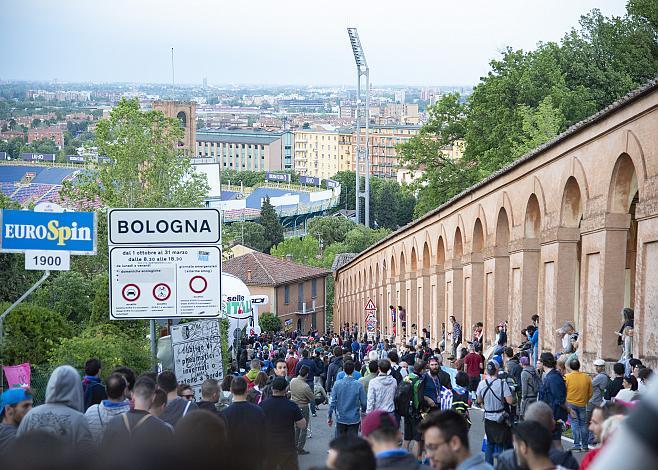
(244, 149)
(323, 153)
(384, 160)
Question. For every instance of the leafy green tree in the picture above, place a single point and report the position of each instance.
(269, 322)
(269, 219)
(40, 146)
(539, 125)
(250, 234)
(304, 250)
(30, 331)
(106, 342)
(147, 169)
(329, 229)
(347, 180)
(69, 293)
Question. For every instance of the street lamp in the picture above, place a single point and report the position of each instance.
(362, 113)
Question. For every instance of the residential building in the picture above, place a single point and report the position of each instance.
(245, 149)
(322, 153)
(384, 161)
(296, 292)
(52, 132)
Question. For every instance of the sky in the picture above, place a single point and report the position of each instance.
(297, 42)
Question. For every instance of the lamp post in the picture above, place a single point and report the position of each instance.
(362, 113)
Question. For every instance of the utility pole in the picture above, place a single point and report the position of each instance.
(362, 113)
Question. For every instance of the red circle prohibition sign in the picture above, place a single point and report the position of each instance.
(168, 291)
(136, 294)
(198, 291)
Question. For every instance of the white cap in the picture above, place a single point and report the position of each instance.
(599, 362)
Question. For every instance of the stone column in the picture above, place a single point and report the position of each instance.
(424, 290)
(559, 289)
(453, 295)
(523, 284)
(496, 291)
(437, 303)
(645, 333)
(603, 273)
(473, 292)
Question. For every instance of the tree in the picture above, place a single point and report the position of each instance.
(269, 219)
(106, 342)
(30, 331)
(40, 146)
(329, 229)
(147, 169)
(69, 293)
(250, 234)
(539, 126)
(305, 250)
(347, 180)
(269, 322)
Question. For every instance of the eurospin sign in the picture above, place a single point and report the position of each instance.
(74, 232)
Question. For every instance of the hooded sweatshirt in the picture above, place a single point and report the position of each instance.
(381, 393)
(99, 416)
(62, 413)
(335, 366)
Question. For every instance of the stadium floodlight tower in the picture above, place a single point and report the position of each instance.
(362, 114)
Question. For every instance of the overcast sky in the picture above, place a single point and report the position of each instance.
(412, 42)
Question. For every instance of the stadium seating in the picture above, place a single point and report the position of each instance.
(54, 175)
(14, 174)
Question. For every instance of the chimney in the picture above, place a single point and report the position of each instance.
(248, 275)
(289, 257)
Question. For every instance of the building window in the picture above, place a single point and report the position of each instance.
(314, 288)
(286, 295)
(300, 300)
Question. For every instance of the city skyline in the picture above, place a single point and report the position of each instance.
(266, 44)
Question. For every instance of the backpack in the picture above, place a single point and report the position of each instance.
(511, 382)
(460, 404)
(404, 395)
(534, 383)
(396, 374)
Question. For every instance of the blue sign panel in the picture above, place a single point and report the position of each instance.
(284, 178)
(62, 231)
(310, 180)
(39, 157)
(102, 159)
(3, 155)
(331, 184)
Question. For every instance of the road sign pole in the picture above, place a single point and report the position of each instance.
(154, 349)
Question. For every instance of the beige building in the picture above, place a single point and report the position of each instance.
(185, 112)
(296, 292)
(384, 161)
(322, 153)
(242, 149)
(568, 232)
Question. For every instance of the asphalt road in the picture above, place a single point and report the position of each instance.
(321, 433)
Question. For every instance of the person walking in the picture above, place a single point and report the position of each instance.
(553, 392)
(579, 391)
(473, 365)
(244, 420)
(15, 403)
(61, 415)
(209, 396)
(616, 384)
(496, 396)
(530, 385)
(382, 432)
(177, 407)
(302, 395)
(599, 384)
(373, 370)
(282, 416)
(99, 416)
(532, 444)
(334, 367)
(456, 335)
(381, 390)
(348, 401)
(92, 388)
(446, 442)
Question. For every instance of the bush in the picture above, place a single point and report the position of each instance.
(70, 294)
(269, 322)
(30, 332)
(106, 342)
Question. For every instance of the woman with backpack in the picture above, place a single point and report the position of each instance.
(530, 383)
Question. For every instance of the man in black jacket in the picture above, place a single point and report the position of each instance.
(209, 396)
(617, 383)
(335, 366)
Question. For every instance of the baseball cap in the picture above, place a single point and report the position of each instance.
(279, 384)
(13, 396)
(599, 362)
(376, 420)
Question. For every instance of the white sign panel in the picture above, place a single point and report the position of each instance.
(42, 260)
(164, 226)
(197, 353)
(165, 282)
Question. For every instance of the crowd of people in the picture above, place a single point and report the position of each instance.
(391, 406)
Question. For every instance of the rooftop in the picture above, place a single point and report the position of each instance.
(269, 270)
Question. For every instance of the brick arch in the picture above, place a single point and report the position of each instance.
(427, 256)
(503, 230)
(478, 240)
(403, 263)
(533, 216)
(623, 184)
(440, 250)
(572, 205)
(413, 266)
(458, 244)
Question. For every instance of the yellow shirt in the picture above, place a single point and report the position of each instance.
(579, 388)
